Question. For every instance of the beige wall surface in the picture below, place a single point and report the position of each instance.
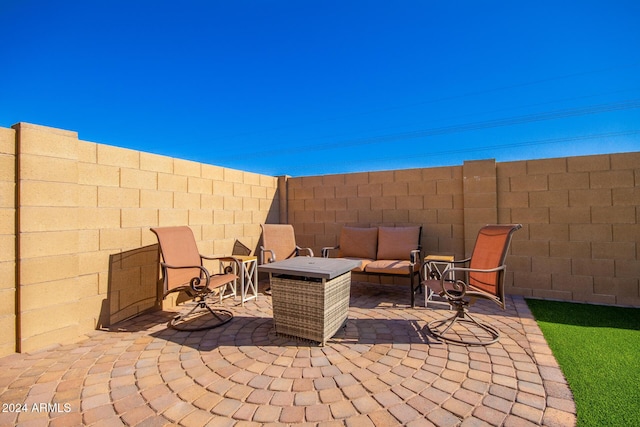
(80, 204)
(580, 239)
(76, 252)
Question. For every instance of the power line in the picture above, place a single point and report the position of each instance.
(510, 121)
(449, 152)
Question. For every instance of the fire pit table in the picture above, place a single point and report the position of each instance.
(310, 296)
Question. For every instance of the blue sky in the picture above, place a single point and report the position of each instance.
(308, 87)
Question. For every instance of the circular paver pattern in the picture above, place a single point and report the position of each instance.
(382, 368)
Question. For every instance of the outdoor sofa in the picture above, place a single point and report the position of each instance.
(382, 251)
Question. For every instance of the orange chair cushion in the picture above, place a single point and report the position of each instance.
(397, 242)
(356, 242)
(391, 267)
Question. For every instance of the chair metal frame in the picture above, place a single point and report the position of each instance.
(461, 293)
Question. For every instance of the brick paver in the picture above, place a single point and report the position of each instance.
(382, 369)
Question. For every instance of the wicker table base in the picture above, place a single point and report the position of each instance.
(308, 308)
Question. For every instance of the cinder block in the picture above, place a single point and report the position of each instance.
(370, 190)
(590, 232)
(359, 178)
(214, 173)
(531, 215)
(221, 188)
(187, 168)
(173, 217)
(88, 241)
(347, 217)
(613, 215)
(87, 152)
(7, 141)
(593, 197)
(120, 239)
(156, 199)
(258, 192)
(368, 217)
(115, 197)
(441, 174)
(480, 200)
(628, 268)
(347, 191)
(100, 175)
(199, 185)
(479, 169)
(242, 217)
(97, 218)
(223, 217)
(530, 183)
(232, 204)
(612, 179)
(324, 217)
(116, 156)
(172, 183)
(42, 295)
(531, 248)
(614, 250)
(421, 188)
(186, 200)
(333, 180)
(572, 283)
(552, 232)
(41, 168)
(233, 175)
(51, 243)
(134, 178)
(44, 269)
(381, 177)
(314, 205)
(588, 163)
(139, 217)
(513, 199)
(450, 216)
(381, 203)
(7, 221)
(250, 204)
(52, 325)
(7, 168)
(626, 196)
(40, 193)
(592, 267)
(397, 217)
(87, 196)
(569, 181)
(395, 189)
(625, 161)
(449, 187)
(241, 190)
(38, 218)
(359, 203)
(156, 163)
(441, 201)
(547, 166)
(573, 250)
(573, 215)
(46, 141)
(200, 216)
(559, 198)
(626, 233)
(409, 202)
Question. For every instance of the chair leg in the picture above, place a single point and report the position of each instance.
(461, 315)
(185, 322)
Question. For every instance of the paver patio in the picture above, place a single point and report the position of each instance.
(382, 369)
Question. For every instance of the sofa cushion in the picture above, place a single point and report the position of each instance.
(397, 242)
(358, 242)
(363, 264)
(391, 267)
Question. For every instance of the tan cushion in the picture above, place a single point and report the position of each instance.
(397, 242)
(358, 242)
(363, 264)
(391, 267)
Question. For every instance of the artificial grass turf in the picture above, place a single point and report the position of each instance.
(598, 350)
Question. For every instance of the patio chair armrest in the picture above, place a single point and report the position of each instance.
(227, 258)
(327, 249)
(308, 250)
(460, 286)
(194, 283)
(270, 259)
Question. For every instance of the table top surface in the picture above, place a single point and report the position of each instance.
(322, 268)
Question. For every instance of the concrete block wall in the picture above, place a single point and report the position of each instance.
(7, 241)
(580, 239)
(80, 203)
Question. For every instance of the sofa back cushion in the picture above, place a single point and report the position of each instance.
(397, 242)
(359, 242)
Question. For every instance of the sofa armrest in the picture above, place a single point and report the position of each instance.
(327, 249)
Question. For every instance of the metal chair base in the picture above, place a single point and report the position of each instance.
(435, 327)
(193, 321)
